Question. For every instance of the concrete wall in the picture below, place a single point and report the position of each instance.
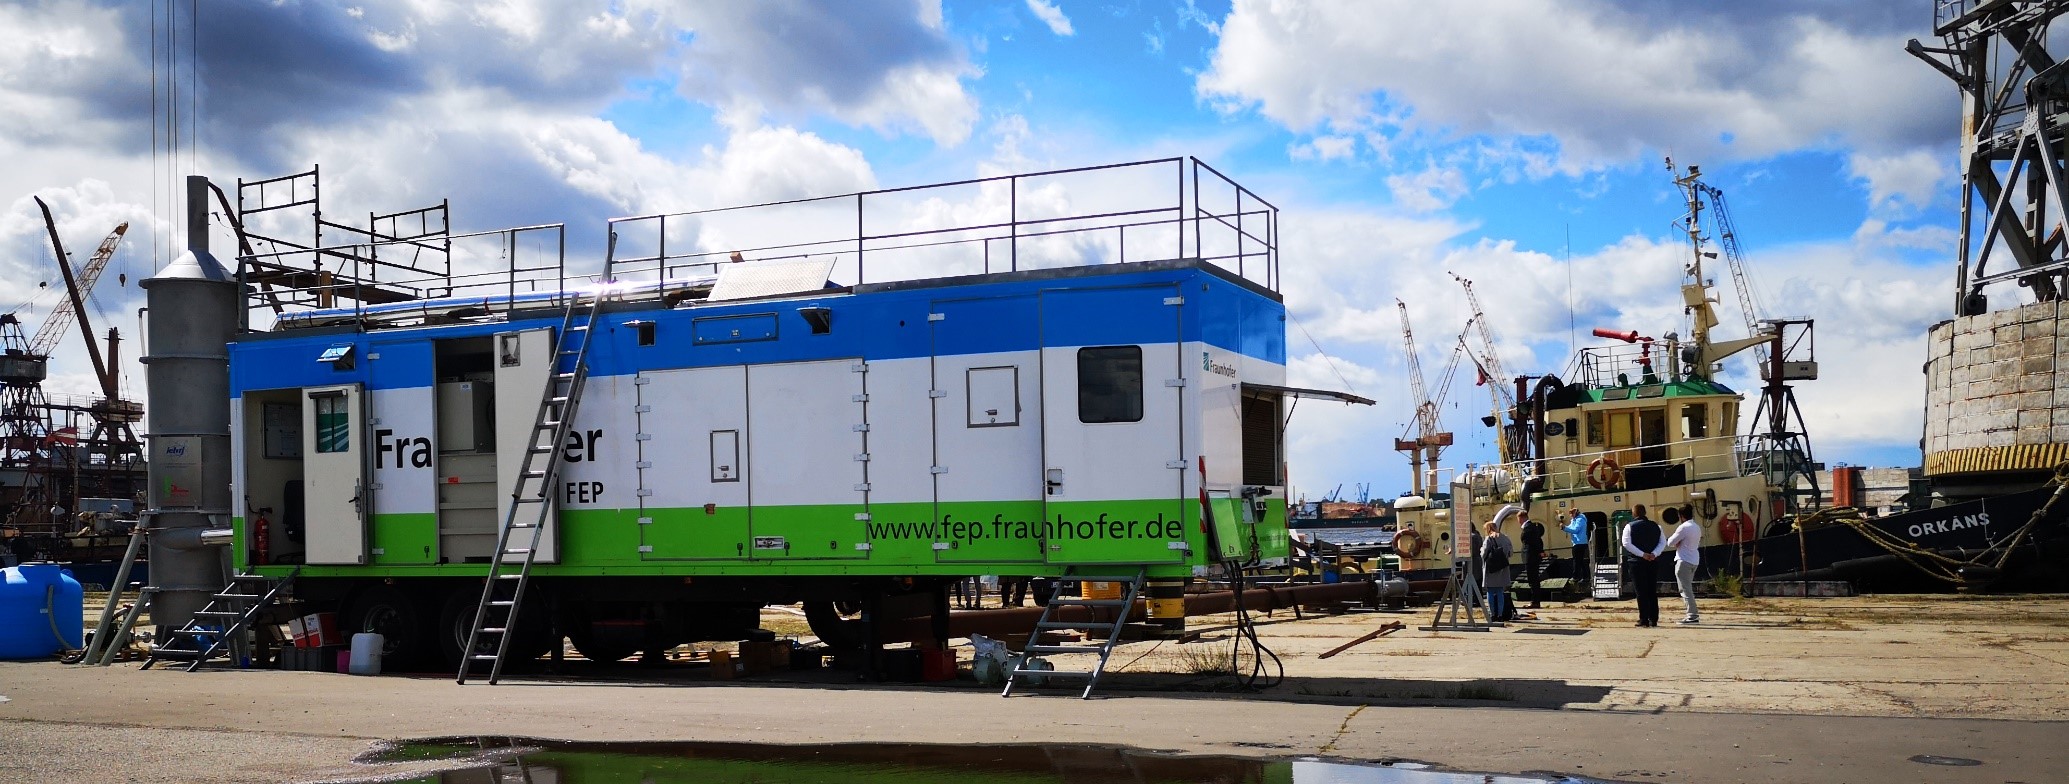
(1997, 391)
(1883, 488)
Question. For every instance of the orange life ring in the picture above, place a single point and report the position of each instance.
(1604, 472)
(1408, 543)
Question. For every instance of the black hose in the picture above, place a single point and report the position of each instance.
(1246, 629)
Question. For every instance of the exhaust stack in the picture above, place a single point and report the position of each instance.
(193, 314)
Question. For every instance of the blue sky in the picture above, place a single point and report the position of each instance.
(1518, 143)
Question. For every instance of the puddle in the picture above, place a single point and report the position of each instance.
(491, 760)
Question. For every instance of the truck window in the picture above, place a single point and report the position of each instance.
(333, 424)
(1110, 384)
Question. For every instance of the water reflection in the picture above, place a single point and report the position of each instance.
(501, 760)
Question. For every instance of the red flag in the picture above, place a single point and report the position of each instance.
(64, 436)
(1482, 380)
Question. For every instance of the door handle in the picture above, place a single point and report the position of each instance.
(1053, 478)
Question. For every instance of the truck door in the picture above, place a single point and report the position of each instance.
(807, 460)
(697, 506)
(523, 362)
(1111, 453)
(334, 486)
(987, 431)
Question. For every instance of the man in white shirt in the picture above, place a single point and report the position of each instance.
(1685, 542)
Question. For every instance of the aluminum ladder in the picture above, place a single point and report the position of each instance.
(1051, 621)
(223, 622)
(531, 499)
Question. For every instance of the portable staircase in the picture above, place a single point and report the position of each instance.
(222, 622)
(1051, 621)
(531, 500)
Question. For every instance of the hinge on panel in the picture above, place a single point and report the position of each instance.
(1174, 382)
(646, 548)
(940, 545)
(862, 488)
(859, 367)
(1180, 464)
(642, 409)
(1177, 546)
(640, 380)
(938, 469)
(373, 356)
(643, 436)
(862, 515)
(380, 551)
(862, 428)
(862, 398)
(373, 420)
(936, 393)
(643, 464)
(861, 545)
(643, 492)
(1174, 300)
(862, 458)
(646, 521)
(374, 486)
(937, 317)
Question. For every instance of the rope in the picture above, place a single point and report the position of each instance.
(1934, 564)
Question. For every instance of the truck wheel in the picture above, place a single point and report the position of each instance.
(607, 645)
(402, 621)
(838, 624)
(456, 622)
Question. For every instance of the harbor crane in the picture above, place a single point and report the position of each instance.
(1430, 440)
(1496, 379)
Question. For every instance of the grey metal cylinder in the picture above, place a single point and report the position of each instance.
(193, 315)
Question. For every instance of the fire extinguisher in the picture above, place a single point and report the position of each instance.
(261, 536)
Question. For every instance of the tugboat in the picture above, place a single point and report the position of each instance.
(1646, 421)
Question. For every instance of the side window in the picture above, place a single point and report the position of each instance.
(1595, 428)
(1110, 384)
(993, 396)
(1695, 421)
(333, 424)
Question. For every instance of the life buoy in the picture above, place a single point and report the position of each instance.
(1604, 472)
(1408, 543)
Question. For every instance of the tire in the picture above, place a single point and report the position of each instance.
(456, 622)
(605, 647)
(838, 625)
(403, 620)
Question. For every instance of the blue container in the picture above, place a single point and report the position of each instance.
(31, 596)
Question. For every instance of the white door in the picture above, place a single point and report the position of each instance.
(334, 483)
(807, 460)
(1111, 453)
(524, 363)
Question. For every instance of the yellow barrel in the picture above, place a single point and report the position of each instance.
(1101, 590)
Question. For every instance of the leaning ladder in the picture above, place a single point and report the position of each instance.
(531, 498)
(1050, 621)
(239, 603)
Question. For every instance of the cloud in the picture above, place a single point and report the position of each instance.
(1607, 82)
(1051, 16)
(1903, 179)
(1323, 148)
(1433, 188)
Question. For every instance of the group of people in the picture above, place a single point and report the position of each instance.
(1644, 542)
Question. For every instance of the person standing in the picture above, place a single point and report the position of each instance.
(1686, 541)
(1495, 550)
(1533, 556)
(1643, 543)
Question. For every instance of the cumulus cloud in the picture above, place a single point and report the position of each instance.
(1606, 81)
(1051, 16)
(1433, 188)
(1904, 179)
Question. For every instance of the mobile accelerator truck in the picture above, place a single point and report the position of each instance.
(758, 435)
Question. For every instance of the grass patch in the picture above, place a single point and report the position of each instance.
(1206, 660)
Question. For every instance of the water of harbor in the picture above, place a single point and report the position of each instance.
(558, 762)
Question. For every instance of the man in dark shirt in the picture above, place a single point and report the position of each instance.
(1643, 543)
(1533, 556)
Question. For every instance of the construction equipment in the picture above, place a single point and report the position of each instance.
(73, 306)
(531, 499)
(1052, 621)
(1492, 375)
(223, 622)
(1430, 438)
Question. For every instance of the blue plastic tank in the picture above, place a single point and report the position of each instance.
(31, 595)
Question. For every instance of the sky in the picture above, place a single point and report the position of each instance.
(1517, 143)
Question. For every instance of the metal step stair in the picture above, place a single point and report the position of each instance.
(510, 567)
(223, 622)
(1052, 621)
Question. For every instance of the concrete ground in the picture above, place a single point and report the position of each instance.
(1771, 690)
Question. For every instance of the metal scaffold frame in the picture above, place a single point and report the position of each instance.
(2015, 95)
